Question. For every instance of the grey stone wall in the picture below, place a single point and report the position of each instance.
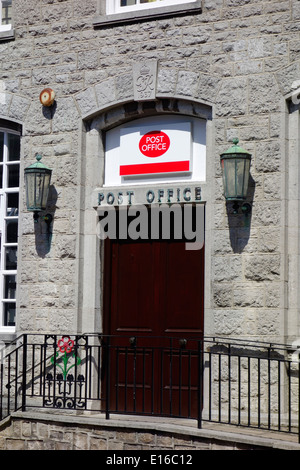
(238, 57)
(33, 432)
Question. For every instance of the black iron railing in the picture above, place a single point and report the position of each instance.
(215, 379)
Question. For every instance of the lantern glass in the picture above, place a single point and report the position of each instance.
(37, 190)
(236, 169)
(235, 178)
(37, 180)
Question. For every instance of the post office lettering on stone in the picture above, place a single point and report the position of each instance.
(150, 196)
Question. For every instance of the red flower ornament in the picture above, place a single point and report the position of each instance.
(65, 344)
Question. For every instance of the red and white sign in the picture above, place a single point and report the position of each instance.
(148, 150)
(154, 144)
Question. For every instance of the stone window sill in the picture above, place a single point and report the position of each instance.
(7, 338)
(151, 14)
(7, 35)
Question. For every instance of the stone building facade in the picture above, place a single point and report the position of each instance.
(233, 64)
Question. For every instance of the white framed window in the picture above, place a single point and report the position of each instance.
(122, 6)
(6, 15)
(9, 215)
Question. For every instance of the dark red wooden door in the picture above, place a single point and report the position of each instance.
(154, 292)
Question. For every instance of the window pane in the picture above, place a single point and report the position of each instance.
(13, 147)
(12, 204)
(6, 11)
(148, 1)
(13, 176)
(9, 201)
(11, 231)
(11, 257)
(9, 314)
(1, 146)
(10, 287)
(127, 3)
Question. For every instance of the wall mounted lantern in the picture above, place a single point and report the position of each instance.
(235, 164)
(37, 184)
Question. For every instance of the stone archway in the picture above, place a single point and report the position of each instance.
(166, 83)
(91, 309)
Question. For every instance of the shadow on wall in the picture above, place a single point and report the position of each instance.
(42, 229)
(49, 111)
(240, 222)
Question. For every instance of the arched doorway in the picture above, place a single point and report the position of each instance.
(154, 286)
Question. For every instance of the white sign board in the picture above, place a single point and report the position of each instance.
(152, 149)
(159, 149)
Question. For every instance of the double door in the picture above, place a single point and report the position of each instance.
(154, 303)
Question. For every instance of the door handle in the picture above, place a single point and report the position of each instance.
(132, 341)
(182, 342)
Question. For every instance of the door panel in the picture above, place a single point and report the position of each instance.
(154, 291)
(132, 298)
(183, 290)
(180, 383)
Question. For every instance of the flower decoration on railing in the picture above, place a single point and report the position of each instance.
(66, 346)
